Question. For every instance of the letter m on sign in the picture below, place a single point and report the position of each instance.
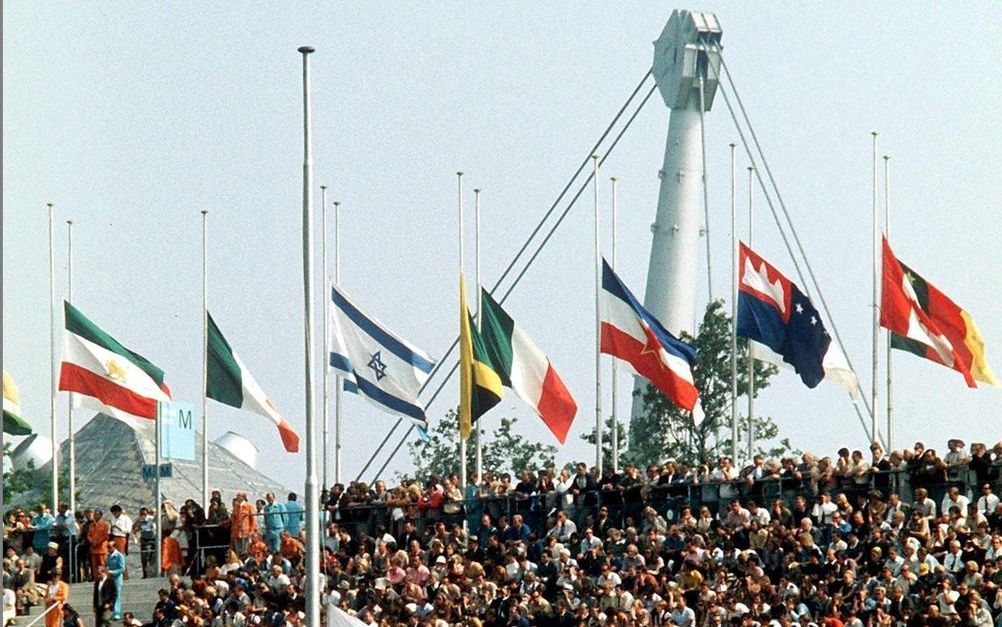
(177, 431)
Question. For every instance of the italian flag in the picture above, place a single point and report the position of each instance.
(13, 423)
(98, 367)
(525, 369)
(229, 382)
(921, 321)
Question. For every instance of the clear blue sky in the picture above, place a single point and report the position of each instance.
(132, 118)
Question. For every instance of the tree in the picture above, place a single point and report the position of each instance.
(17, 481)
(667, 431)
(505, 450)
(624, 445)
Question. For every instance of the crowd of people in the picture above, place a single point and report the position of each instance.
(906, 539)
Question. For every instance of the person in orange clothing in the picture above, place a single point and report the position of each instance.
(291, 548)
(258, 549)
(243, 523)
(170, 555)
(57, 593)
(97, 536)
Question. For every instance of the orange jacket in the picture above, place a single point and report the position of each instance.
(97, 535)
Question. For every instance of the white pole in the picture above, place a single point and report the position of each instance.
(312, 497)
(156, 488)
(887, 230)
(462, 440)
(751, 360)
(614, 434)
(337, 379)
(52, 362)
(598, 326)
(734, 308)
(476, 251)
(69, 416)
(325, 368)
(205, 361)
(69, 407)
(875, 339)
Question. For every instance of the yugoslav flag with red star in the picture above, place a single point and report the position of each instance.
(629, 332)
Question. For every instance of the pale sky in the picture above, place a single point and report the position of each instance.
(132, 118)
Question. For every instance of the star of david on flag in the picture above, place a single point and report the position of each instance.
(375, 362)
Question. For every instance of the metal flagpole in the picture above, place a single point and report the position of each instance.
(476, 252)
(598, 326)
(312, 496)
(69, 414)
(875, 339)
(337, 378)
(751, 358)
(52, 361)
(156, 488)
(887, 231)
(462, 441)
(325, 368)
(734, 308)
(205, 361)
(614, 434)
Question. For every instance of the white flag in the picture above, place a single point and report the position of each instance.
(836, 367)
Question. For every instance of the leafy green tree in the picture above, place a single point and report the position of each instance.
(624, 445)
(506, 450)
(667, 431)
(17, 481)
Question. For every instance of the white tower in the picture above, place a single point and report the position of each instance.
(686, 67)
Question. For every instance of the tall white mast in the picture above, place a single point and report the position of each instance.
(686, 57)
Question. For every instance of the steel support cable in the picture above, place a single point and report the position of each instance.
(782, 232)
(532, 259)
(793, 230)
(518, 255)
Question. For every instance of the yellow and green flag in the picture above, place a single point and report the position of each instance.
(479, 382)
(13, 423)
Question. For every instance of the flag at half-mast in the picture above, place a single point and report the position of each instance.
(229, 382)
(13, 423)
(479, 380)
(924, 321)
(629, 332)
(774, 312)
(376, 363)
(524, 368)
(104, 373)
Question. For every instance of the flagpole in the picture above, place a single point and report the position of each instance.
(69, 412)
(875, 339)
(476, 251)
(598, 326)
(751, 358)
(734, 307)
(205, 361)
(337, 378)
(52, 361)
(312, 497)
(614, 434)
(325, 368)
(462, 440)
(887, 230)
(156, 488)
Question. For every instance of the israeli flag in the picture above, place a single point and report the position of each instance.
(375, 362)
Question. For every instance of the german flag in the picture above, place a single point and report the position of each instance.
(479, 382)
(950, 321)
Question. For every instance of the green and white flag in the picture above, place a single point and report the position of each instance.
(229, 382)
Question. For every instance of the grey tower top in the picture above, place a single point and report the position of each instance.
(687, 49)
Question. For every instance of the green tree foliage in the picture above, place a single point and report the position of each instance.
(17, 481)
(506, 450)
(667, 431)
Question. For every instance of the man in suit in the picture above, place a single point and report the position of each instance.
(105, 595)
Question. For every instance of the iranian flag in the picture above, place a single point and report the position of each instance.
(229, 382)
(98, 368)
(906, 314)
(525, 369)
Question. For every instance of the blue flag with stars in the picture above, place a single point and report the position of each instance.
(376, 363)
(773, 311)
